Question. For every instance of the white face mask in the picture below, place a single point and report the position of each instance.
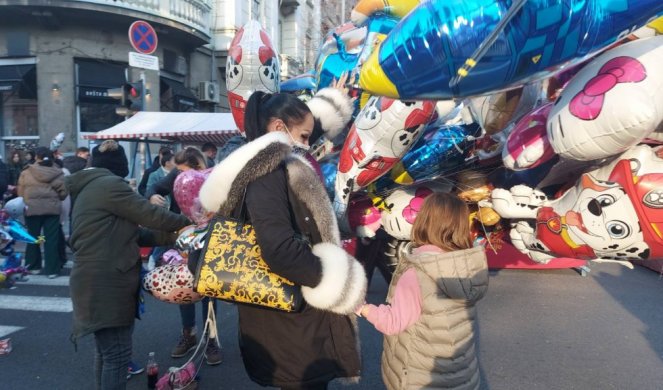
(296, 144)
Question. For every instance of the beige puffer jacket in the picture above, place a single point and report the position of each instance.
(42, 189)
(438, 351)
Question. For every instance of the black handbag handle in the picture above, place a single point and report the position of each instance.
(240, 215)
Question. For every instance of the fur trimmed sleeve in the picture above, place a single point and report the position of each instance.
(333, 109)
(343, 284)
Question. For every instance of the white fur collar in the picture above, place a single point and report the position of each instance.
(216, 188)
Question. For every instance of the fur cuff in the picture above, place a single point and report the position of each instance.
(343, 284)
(333, 109)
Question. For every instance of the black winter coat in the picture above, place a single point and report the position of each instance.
(285, 197)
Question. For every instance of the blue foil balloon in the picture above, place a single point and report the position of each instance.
(458, 48)
(19, 232)
(303, 82)
(329, 168)
(440, 149)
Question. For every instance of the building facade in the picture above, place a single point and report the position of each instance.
(58, 59)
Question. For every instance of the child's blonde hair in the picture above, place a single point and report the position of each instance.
(443, 221)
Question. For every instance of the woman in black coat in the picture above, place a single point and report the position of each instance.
(297, 232)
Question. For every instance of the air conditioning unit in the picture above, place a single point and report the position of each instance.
(208, 92)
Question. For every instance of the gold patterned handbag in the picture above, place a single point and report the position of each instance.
(231, 268)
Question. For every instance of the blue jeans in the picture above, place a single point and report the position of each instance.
(188, 313)
(111, 360)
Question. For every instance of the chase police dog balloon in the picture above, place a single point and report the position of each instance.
(252, 65)
(382, 133)
(527, 145)
(611, 104)
(432, 52)
(403, 205)
(614, 213)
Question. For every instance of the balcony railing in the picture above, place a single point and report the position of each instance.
(195, 14)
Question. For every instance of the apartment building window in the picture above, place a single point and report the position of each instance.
(18, 101)
(96, 110)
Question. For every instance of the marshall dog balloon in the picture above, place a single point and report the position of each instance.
(383, 132)
(253, 65)
(614, 213)
(610, 105)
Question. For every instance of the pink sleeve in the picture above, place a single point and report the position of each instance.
(404, 310)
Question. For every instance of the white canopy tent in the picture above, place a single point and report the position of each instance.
(195, 127)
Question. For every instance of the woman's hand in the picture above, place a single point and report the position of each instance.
(158, 200)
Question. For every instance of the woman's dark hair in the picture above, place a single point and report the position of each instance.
(167, 156)
(262, 107)
(191, 157)
(30, 155)
(45, 155)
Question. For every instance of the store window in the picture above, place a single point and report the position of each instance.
(175, 97)
(95, 109)
(18, 101)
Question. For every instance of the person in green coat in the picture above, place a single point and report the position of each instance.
(109, 223)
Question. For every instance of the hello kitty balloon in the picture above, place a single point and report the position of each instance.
(402, 206)
(252, 65)
(383, 132)
(610, 105)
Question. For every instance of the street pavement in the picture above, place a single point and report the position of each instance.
(538, 330)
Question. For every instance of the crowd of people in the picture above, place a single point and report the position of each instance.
(427, 320)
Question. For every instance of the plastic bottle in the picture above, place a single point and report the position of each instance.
(152, 371)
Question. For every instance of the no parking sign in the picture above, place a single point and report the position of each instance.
(142, 37)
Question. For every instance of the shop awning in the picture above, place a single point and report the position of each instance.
(195, 127)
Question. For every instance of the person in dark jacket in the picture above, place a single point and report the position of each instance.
(298, 235)
(156, 164)
(14, 166)
(105, 240)
(42, 187)
(209, 150)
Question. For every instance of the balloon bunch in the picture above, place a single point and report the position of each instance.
(12, 231)
(172, 281)
(523, 108)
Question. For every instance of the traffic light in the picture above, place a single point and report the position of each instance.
(131, 97)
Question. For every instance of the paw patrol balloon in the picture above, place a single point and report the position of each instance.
(613, 213)
(444, 49)
(382, 133)
(252, 65)
(611, 104)
(403, 205)
(527, 145)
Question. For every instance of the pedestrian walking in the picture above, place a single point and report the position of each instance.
(428, 324)
(105, 239)
(42, 187)
(297, 232)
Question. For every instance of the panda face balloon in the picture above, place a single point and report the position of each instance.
(252, 65)
(383, 132)
(610, 105)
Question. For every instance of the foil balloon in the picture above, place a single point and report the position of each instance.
(527, 145)
(611, 104)
(252, 65)
(613, 213)
(403, 205)
(329, 167)
(172, 284)
(444, 49)
(304, 83)
(191, 238)
(382, 133)
(651, 29)
(339, 54)
(439, 150)
(19, 232)
(495, 112)
(364, 9)
(186, 189)
(364, 218)
(473, 186)
(16, 208)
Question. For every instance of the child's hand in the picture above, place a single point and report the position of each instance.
(358, 309)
